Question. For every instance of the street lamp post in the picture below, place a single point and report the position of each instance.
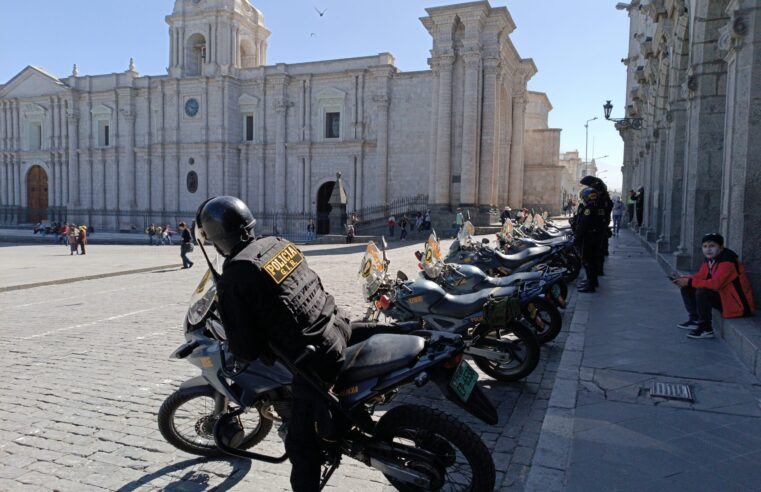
(621, 123)
(586, 142)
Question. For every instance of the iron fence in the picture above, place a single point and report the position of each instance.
(377, 215)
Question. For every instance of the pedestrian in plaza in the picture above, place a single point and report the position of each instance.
(418, 221)
(310, 230)
(354, 219)
(391, 225)
(166, 235)
(287, 309)
(82, 239)
(151, 231)
(617, 214)
(186, 245)
(590, 227)
(349, 233)
(570, 207)
(73, 238)
(640, 205)
(427, 220)
(403, 225)
(631, 201)
(721, 283)
(459, 220)
(505, 215)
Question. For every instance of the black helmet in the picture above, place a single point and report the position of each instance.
(588, 195)
(593, 182)
(225, 221)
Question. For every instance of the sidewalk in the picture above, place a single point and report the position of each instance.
(603, 431)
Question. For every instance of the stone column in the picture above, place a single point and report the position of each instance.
(515, 184)
(740, 204)
(468, 164)
(281, 108)
(129, 200)
(443, 136)
(73, 130)
(488, 174)
(381, 110)
(434, 130)
(47, 143)
(706, 84)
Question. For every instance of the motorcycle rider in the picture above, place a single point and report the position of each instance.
(269, 296)
(605, 201)
(589, 230)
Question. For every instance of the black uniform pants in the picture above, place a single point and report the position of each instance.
(592, 252)
(699, 302)
(302, 444)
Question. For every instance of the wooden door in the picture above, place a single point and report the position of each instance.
(37, 194)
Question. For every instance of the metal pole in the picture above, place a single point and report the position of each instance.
(586, 143)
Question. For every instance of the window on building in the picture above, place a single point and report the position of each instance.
(249, 128)
(332, 125)
(35, 136)
(104, 133)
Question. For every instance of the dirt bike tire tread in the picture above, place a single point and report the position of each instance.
(529, 338)
(175, 400)
(448, 426)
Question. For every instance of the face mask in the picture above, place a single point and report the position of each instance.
(711, 250)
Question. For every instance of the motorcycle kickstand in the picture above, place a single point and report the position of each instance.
(328, 473)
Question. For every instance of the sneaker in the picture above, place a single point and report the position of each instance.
(701, 332)
(690, 324)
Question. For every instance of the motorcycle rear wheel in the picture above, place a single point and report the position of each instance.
(201, 422)
(524, 348)
(544, 318)
(453, 442)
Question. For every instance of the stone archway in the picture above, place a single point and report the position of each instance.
(37, 194)
(323, 207)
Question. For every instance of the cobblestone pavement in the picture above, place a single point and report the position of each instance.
(86, 368)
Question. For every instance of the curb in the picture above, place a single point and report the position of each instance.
(88, 277)
(553, 451)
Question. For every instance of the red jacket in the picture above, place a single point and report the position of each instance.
(727, 276)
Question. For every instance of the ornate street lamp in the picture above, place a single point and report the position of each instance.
(621, 123)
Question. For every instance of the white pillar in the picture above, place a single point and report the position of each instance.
(468, 164)
(515, 185)
(443, 137)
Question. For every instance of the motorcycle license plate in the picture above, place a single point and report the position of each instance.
(464, 380)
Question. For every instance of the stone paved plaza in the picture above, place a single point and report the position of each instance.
(86, 368)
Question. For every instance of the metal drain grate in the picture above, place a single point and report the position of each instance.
(672, 391)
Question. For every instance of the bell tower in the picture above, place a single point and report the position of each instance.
(215, 37)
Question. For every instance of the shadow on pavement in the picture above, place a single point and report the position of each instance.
(191, 480)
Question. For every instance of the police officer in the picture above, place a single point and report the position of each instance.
(590, 228)
(268, 296)
(607, 203)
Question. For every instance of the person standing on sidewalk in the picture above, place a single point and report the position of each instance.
(186, 245)
(391, 225)
(721, 283)
(73, 237)
(403, 225)
(590, 227)
(617, 214)
(631, 200)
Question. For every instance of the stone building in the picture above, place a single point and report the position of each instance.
(694, 77)
(223, 121)
(543, 173)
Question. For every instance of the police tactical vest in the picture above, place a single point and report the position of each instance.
(287, 275)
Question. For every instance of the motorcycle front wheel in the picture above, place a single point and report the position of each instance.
(464, 462)
(186, 420)
(519, 342)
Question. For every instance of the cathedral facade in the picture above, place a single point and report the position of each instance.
(224, 121)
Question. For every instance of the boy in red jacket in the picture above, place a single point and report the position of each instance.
(721, 283)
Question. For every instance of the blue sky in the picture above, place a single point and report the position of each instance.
(577, 46)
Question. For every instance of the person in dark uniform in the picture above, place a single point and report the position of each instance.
(604, 200)
(269, 297)
(589, 230)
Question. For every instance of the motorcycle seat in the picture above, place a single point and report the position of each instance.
(511, 280)
(464, 305)
(378, 355)
(525, 255)
(362, 330)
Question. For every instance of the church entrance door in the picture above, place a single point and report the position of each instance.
(323, 207)
(37, 194)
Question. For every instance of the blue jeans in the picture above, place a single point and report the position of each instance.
(186, 263)
(616, 223)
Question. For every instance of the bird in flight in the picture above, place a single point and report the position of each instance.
(312, 35)
(321, 12)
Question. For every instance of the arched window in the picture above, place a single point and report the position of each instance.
(195, 54)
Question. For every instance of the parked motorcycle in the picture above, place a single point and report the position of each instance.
(541, 310)
(507, 353)
(231, 407)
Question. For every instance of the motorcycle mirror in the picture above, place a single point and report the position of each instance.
(418, 255)
(401, 276)
(485, 240)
